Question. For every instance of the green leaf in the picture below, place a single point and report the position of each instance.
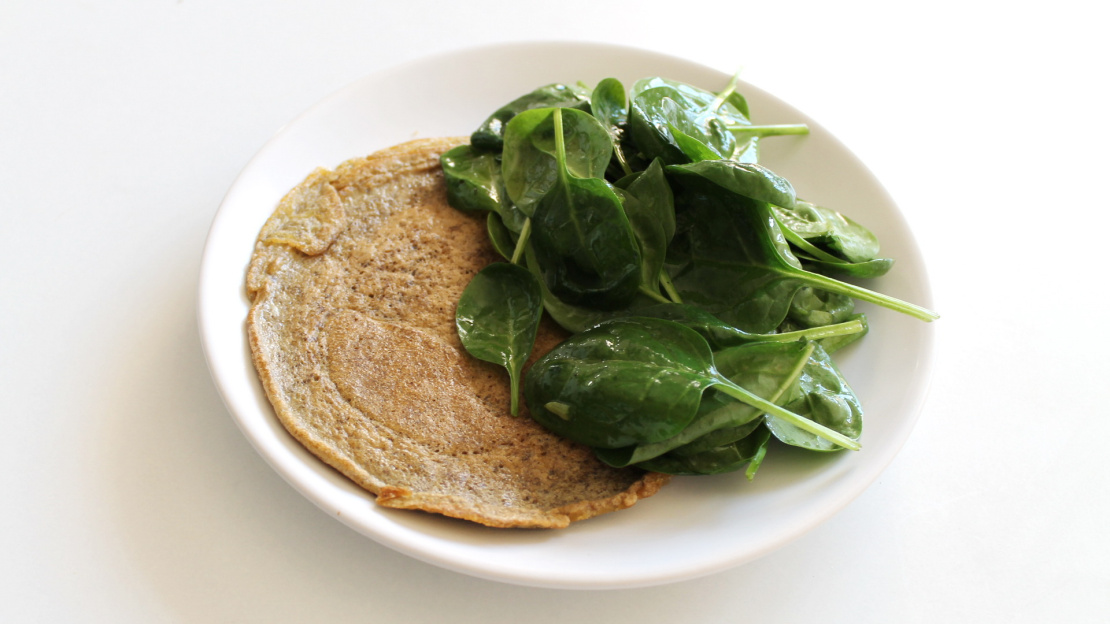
(872, 268)
(694, 149)
(731, 258)
(750, 180)
(733, 108)
(764, 369)
(731, 456)
(831, 243)
(501, 237)
(497, 318)
(747, 151)
(679, 122)
(473, 179)
(585, 248)
(584, 245)
(823, 396)
(633, 382)
(474, 184)
(490, 135)
(729, 263)
(528, 162)
(609, 105)
(649, 205)
(658, 112)
(621, 383)
(813, 307)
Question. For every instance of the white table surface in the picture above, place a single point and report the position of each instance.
(129, 494)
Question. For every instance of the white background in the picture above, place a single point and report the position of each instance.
(127, 494)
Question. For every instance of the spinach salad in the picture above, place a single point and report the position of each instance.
(700, 292)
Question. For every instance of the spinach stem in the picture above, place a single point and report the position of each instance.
(668, 285)
(817, 429)
(755, 463)
(870, 296)
(719, 419)
(560, 145)
(621, 159)
(816, 333)
(709, 426)
(795, 373)
(653, 295)
(562, 410)
(723, 95)
(514, 389)
(522, 241)
(564, 174)
(768, 130)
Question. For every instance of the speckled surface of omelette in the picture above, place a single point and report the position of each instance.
(353, 285)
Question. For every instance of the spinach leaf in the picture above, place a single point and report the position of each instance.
(497, 318)
(830, 242)
(621, 383)
(731, 258)
(474, 184)
(473, 179)
(500, 236)
(719, 437)
(575, 318)
(609, 105)
(732, 105)
(694, 149)
(635, 381)
(822, 396)
(529, 163)
(570, 317)
(748, 151)
(749, 450)
(682, 123)
(653, 190)
(724, 261)
(584, 246)
(649, 205)
(845, 238)
(765, 369)
(747, 135)
(750, 180)
(812, 307)
(490, 135)
(818, 392)
(872, 268)
(697, 282)
(800, 376)
(658, 113)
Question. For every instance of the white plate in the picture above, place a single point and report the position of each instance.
(695, 526)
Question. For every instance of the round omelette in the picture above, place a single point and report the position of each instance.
(353, 285)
